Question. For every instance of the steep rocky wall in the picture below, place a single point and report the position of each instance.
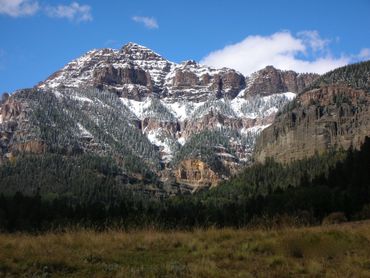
(329, 117)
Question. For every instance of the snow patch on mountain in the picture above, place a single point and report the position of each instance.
(182, 110)
(181, 141)
(257, 107)
(186, 110)
(136, 107)
(215, 106)
(254, 130)
(83, 131)
(82, 99)
(158, 138)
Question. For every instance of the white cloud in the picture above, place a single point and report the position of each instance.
(72, 12)
(149, 22)
(312, 39)
(16, 8)
(282, 50)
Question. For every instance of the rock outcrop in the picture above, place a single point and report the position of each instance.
(196, 173)
(270, 81)
(121, 76)
(16, 133)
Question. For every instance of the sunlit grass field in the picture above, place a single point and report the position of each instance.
(326, 251)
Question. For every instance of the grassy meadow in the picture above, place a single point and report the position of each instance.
(325, 251)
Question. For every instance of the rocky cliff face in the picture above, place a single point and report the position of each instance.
(135, 106)
(16, 132)
(333, 115)
(270, 80)
(196, 173)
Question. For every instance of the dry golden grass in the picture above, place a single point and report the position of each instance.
(330, 251)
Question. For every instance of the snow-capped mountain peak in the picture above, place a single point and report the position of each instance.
(177, 109)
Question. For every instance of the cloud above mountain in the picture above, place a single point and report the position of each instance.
(72, 12)
(305, 51)
(149, 22)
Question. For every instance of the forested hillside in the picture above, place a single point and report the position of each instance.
(305, 191)
(355, 75)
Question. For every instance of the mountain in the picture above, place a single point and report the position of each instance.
(158, 120)
(331, 113)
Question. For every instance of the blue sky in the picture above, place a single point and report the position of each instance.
(39, 37)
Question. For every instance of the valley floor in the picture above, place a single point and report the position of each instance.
(330, 251)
